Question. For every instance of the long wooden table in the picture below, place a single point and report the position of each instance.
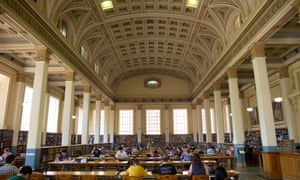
(89, 165)
(104, 174)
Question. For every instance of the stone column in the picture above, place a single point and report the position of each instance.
(264, 100)
(207, 117)
(167, 123)
(17, 115)
(287, 109)
(199, 119)
(68, 109)
(237, 118)
(139, 124)
(33, 153)
(195, 123)
(219, 113)
(97, 119)
(106, 116)
(111, 124)
(86, 112)
(45, 117)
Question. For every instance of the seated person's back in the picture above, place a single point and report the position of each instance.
(220, 173)
(165, 168)
(8, 168)
(136, 170)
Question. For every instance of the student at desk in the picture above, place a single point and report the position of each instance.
(197, 168)
(96, 152)
(135, 170)
(5, 153)
(165, 167)
(24, 174)
(64, 156)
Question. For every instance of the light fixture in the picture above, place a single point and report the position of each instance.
(249, 109)
(192, 3)
(106, 4)
(73, 117)
(278, 99)
(152, 83)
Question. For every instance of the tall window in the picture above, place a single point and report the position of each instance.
(126, 122)
(153, 121)
(102, 123)
(53, 111)
(26, 109)
(83, 52)
(79, 123)
(203, 121)
(227, 118)
(4, 85)
(180, 121)
(212, 122)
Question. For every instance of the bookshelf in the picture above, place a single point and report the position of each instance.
(155, 140)
(281, 134)
(53, 139)
(253, 140)
(130, 140)
(6, 136)
(180, 139)
(22, 142)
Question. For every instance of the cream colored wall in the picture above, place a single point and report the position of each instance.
(170, 86)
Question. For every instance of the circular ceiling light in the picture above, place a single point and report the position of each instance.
(152, 83)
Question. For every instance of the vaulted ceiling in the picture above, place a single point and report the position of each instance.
(138, 37)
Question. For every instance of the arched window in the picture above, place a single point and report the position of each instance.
(83, 52)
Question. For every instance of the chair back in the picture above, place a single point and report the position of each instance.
(64, 177)
(131, 178)
(87, 177)
(4, 177)
(200, 177)
(166, 177)
(36, 176)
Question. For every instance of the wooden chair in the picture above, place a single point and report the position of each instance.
(87, 177)
(64, 177)
(36, 176)
(200, 177)
(167, 177)
(4, 177)
(131, 178)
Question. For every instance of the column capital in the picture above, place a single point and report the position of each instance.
(258, 50)
(193, 106)
(139, 107)
(206, 95)
(98, 97)
(106, 102)
(199, 101)
(283, 72)
(166, 106)
(232, 72)
(20, 77)
(217, 86)
(87, 88)
(42, 54)
(70, 75)
(112, 107)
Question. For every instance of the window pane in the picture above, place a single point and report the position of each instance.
(153, 121)
(212, 122)
(26, 109)
(79, 124)
(227, 118)
(180, 121)
(126, 122)
(53, 110)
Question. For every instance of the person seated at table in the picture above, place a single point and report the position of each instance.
(24, 174)
(220, 173)
(211, 150)
(165, 167)
(5, 153)
(64, 156)
(121, 153)
(187, 155)
(196, 167)
(135, 170)
(9, 168)
(96, 152)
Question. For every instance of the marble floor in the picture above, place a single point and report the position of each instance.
(251, 173)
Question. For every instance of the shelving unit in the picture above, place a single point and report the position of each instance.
(179, 139)
(6, 136)
(22, 142)
(253, 140)
(155, 140)
(53, 139)
(130, 140)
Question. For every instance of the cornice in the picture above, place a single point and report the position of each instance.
(26, 15)
(241, 42)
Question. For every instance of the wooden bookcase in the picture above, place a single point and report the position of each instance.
(6, 136)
